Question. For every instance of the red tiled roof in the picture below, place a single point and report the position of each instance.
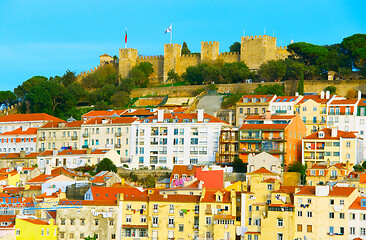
(315, 98)
(362, 102)
(66, 124)
(67, 172)
(211, 197)
(269, 180)
(29, 117)
(344, 101)
(328, 134)
(117, 120)
(103, 113)
(88, 202)
(273, 117)
(52, 213)
(35, 221)
(104, 55)
(357, 204)
(183, 169)
(280, 99)
(224, 217)
(262, 170)
(250, 97)
(41, 178)
(19, 131)
(139, 112)
(306, 190)
(263, 126)
(336, 191)
(281, 205)
(110, 193)
(173, 198)
(287, 189)
(179, 117)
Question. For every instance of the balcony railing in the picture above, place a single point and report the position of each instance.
(85, 135)
(74, 137)
(85, 146)
(339, 113)
(118, 134)
(281, 111)
(42, 138)
(171, 225)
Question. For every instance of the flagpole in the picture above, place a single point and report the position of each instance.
(171, 34)
(126, 39)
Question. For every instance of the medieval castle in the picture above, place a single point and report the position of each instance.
(254, 51)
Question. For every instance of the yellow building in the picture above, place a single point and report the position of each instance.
(10, 178)
(323, 173)
(321, 212)
(312, 109)
(35, 229)
(333, 145)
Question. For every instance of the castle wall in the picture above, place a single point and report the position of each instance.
(172, 53)
(127, 60)
(209, 51)
(187, 60)
(158, 66)
(230, 57)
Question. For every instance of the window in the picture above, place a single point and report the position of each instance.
(363, 231)
(269, 186)
(279, 222)
(171, 208)
(312, 172)
(352, 216)
(208, 221)
(348, 144)
(341, 215)
(299, 213)
(309, 228)
(279, 236)
(62, 221)
(299, 227)
(331, 215)
(155, 220)
(309, 200)
(128, 218)
(82, 235)
(111, 222)
(181, 227)
(71, 235)
(143, 219)
(352, 231)
(363, 216)
(113, 236)
(82, 221)
(72, 221)
(96, 222)
(331, 201)
(310, 214)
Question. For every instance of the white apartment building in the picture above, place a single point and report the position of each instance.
(20, 139)
(164, 140)
(357, 218)
(76, 158)
(284, 105)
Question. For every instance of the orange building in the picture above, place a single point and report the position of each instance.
(277, 135)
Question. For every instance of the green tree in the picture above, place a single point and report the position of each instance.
(235, 72)
(300, 86)
(22, 90)
(146, 68)
(358, 168)
(307, 52)
(90, 238)
(235, 47)
(298, 167)
(173, 76)
(332, 89)
(363, 164)
(272, 70)
(106, 165)
(185, 49)
(277, 89)
(120, 99)
(239, 166)
(68, 78)
(7, 97)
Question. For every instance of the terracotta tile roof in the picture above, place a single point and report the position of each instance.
(19, 131)
(32, 155)
(263, 126)
(44, 195)
(336, 191)
(287, 189)
(267, 98)
(46, 153)
(344, 101)
(139, 112)
(122, 185)
(124, 120)
(104, 55)
(173, 198)
(323, 166)
(273, 117)
(32, 187)
(67, 172)
(262, 170)
(281, 205)
(100, 151)
(328, 134)
(362, 102)
(180, 109)
(224, 217)
(306, 190)
(315, 98)
(110, 193)
(52, 213)
(29, 117)
(189, 170)
(103, 113)
(211, 197)
(181, 117)
(13, 190)
(280, 99)
(117, 120)
(73, 124)
(269, 180)
(357, 204)
(7, 218)
(74, 152)
(41, 178)
(4, 195)
(35, 221)
(353, 174)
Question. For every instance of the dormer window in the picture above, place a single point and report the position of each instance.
(185, 120)
(321, 134)
(218, 197)
(363, 202)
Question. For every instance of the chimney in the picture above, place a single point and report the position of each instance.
(200, 115)
(268, 115)
(104, 121)
(24, 128)
(22, 154)
(160, 115)
(359, 95)
(48, 169)
(334, 132)
(327, 95)
(296, 94)
(322, 94)
(322, 190)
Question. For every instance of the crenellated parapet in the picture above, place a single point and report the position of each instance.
(209, 51)
(156, 57)
(127, 60)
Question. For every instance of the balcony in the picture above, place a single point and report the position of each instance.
(155, 225)
(281, 111)
(339, 113)
(244, 150)
(74, 137)
(154, 143)
(195, 226)
(117, 145)
(118, 134)
(85, 135)
(274, 138)
(126, 160)
(42, 138)
(171, 225)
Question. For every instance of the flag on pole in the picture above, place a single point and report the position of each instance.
(169, 29)
(126, 36)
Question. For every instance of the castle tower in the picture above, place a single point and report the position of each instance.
(127, 60)
(257, 50)
(172, 54)
(105, 59)
(209, 51)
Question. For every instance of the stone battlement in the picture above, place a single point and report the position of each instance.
(211, 43)
(257, 37)
(229, 53)
(282, 48)
(150, 57)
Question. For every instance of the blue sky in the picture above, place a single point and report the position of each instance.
(47, 37)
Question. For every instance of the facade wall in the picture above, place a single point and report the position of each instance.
(57, 138)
